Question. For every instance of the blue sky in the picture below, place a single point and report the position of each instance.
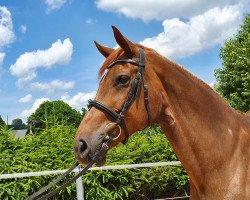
(47, 50)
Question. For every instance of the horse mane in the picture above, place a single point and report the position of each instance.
(186, 71)
(205, 85)
(198, 81)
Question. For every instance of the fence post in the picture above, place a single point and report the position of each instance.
(79, 186)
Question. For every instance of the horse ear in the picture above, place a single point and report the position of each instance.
(128, 46)
(105, 51)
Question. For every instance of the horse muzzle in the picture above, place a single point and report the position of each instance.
(96, 148)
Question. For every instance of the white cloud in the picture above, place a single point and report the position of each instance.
(25, 99)
(23, 29)
(53, 85)
(79, 100)
(54, 4)
(162, 9)
(27, 64)
(1, 62)
(24, 79)
(90, 21)
(7, 35)
(35, 106)
(189, 26)
(181, 39)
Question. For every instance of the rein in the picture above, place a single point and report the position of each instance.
(132, 95)
(118, 120)
(37, 195)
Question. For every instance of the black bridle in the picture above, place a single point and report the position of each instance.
(133, 94)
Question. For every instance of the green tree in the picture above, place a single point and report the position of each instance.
(2, 123)
(233, 79)
(83, 111)
(54, 112)
(18, 124)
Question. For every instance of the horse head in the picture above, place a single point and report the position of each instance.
(127, 99)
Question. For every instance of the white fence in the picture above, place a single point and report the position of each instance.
(79, 183)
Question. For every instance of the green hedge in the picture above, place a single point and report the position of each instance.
(53, 150)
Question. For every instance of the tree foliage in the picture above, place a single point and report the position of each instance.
(84, 110)
(17, 124)
(53, 111)
(48, 150)
(233, 79)
(2, 123)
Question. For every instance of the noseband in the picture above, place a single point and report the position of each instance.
(133, 94)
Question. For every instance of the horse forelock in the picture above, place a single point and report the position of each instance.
(115, 55)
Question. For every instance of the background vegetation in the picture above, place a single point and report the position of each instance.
(53, 111)
(17, 124)
(233, 79)
(52, 149)
(1, 121)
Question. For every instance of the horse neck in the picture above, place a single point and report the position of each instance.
(201, 130)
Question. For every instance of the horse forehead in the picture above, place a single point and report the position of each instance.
(114, 56)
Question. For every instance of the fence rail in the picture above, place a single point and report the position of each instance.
(79, 183)
(112, 167)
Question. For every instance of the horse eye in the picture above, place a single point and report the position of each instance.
(122, 80)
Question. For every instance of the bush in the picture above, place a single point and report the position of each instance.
(53, 149)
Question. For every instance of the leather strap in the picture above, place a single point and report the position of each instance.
(101, 106)
(124, 61)
(142, 58)
(55, 181)
(52, 193)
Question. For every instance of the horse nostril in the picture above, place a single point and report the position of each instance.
(82, 146)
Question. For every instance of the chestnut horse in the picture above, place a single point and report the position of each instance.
(211, 139)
